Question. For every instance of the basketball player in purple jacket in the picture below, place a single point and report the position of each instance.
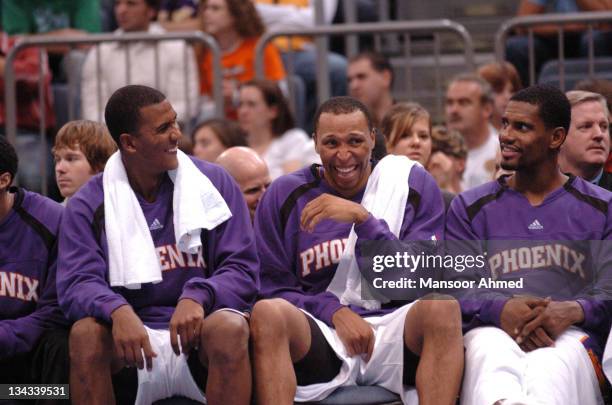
(28, 302)
(195, 290)
(302, 224)
(542, 342)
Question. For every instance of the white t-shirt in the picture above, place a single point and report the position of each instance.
(294, 144)
(480, 163)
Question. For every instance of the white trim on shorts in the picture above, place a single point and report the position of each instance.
(156, 385)
(385, 368)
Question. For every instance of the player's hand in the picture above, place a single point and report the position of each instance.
(131, 339)
(186, 322)
(536, 337)
(327, 206)
(355, 333)
(555, 319)
(517, 312)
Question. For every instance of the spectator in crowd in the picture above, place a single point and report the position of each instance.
(294, 14)
(213, 136)
(53, 18)
(250, 172)
(545, 42)
(587, 146)
(539, 341)
(469, 107)
(236, 26)
(603, 87)
(304, 337)
(504, 81)
(169, 77)
(26, 69)
(81, 150)
(407, 128)
(33, 336)
(370, 78)
(447, 161)
(264, 114)
(135, 283)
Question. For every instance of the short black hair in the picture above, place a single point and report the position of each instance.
(342, 105)
(122, 112)
(8, 158)
(554, 108)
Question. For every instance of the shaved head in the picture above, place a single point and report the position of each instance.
(250, 172)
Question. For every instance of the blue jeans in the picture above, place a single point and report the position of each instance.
(305, 67)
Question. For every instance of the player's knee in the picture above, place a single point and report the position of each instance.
(441, 313)
(87, 342)
(267, 320)
(226, 339)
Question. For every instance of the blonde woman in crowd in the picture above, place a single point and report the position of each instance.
(407, 129)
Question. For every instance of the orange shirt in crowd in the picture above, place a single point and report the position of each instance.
(239, 65)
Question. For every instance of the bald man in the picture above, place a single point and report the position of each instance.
(250, 172)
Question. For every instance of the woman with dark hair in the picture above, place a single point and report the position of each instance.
(212, 137)
(264, 114)
(407, 129)
(236, 26)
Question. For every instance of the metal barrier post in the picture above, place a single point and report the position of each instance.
(322, 52)
(424, 26)
(351, 47)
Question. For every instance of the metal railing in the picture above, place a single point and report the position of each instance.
(350, 9)
(97, 39)
(531, 21)
(407, 28)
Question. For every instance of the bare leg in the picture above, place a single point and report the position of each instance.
(433, 331)
(224, 348)
(281, 336)
(91, 349)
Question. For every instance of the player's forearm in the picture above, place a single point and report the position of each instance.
(597, 315)
(229, 290)
(373, 229)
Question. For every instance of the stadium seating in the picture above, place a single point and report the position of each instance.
(575, 70)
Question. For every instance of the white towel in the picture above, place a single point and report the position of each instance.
(196, 205)
(385, 198)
